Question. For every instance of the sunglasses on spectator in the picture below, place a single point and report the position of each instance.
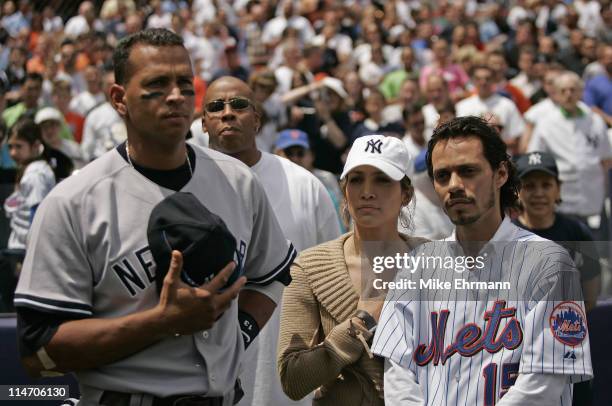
(236, 103)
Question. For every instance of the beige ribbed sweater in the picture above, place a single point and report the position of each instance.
(322, 294)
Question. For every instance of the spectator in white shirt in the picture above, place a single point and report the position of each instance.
(543, 107)
(288, 17)
(84, 22)
(104, 128)
(331, 37)
(527, 81)
(436, 92)
(93, 96)
(486, 102)
(159, 18)
(577, 138)
(51, 22)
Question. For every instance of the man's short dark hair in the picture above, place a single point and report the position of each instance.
(159, 37)
(411, 110)
(35, 76)
(67, 41)
(493, 147)
(448, 107)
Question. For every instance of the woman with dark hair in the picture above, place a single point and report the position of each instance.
(328, 317)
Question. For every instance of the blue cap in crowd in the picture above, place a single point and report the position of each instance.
(292, 138)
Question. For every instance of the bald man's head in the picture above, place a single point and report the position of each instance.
(228, 82)
(231, 117)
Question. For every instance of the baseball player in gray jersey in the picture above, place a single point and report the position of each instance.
(496, 349)
(87, 298)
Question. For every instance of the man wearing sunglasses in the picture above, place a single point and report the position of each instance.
(300, 201)
(89, 299)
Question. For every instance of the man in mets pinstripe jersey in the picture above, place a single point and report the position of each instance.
(522, 346)
(87, 299)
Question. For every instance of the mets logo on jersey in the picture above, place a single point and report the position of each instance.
(471, 339)
(568, 323)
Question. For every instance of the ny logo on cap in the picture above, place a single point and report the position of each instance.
(535, 159)
(375, 145)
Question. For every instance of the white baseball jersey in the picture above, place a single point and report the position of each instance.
(470, 352)
(36, 182)
(88, 256)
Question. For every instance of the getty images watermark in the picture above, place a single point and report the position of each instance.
(412, 263)
(441, 270)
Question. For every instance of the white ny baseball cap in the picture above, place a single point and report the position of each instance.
(387, 153)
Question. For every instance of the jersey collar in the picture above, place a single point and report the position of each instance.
(506, 232)
(567, 114)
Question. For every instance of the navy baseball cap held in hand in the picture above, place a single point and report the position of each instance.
(181, 222)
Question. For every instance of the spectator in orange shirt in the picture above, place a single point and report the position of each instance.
(61, 96)
(41, 53)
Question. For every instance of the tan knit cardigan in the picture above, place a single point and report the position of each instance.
(315, 350)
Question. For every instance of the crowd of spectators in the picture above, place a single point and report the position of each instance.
(539, 70)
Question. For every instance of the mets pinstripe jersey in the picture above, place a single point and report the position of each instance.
(88, 256)
(470, 351)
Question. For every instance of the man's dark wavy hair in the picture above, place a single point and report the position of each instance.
(494, 150)
(159, 37)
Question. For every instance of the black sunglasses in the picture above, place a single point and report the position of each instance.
(236, 103)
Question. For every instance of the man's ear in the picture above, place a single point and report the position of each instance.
(501, 175)
(204, 123)
(117, 99)
(257, 120)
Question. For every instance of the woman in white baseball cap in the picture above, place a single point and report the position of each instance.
(327, 321)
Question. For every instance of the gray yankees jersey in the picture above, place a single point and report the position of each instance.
(88, 256)
(469, 351)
